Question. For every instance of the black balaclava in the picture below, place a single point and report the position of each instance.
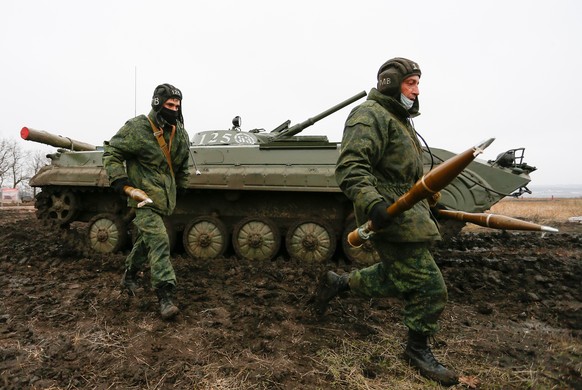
(162, 93)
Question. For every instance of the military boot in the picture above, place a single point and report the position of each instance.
(418, 354)
(330, 285)
(165, 293)
(129, 281)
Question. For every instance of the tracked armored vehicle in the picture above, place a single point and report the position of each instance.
(260, 193)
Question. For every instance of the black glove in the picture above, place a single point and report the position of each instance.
(118, 184)
(379, 217)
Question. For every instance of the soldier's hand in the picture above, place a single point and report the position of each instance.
(119, 184)
(379, 216)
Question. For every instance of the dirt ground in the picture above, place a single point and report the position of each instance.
(514, 319)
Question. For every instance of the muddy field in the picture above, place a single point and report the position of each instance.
(514, 320)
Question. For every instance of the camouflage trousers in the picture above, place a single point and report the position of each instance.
(152, 245)
(407, 271)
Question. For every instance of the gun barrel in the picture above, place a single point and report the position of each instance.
(495, 221)
(434, 181)
(44, 137)
(300, 126)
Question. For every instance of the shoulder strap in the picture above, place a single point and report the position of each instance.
(159, 134)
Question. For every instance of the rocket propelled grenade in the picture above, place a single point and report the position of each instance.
(429, 184)
(495, 221)
(137, 195)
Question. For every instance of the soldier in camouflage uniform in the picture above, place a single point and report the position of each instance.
(380, 160)
(147, 168)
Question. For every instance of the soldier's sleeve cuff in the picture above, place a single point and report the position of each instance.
(367, 198)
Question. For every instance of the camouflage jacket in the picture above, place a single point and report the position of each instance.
(145, 164)
(381, 159)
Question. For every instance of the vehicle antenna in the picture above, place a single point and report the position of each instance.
(198, 173)
(134, 91)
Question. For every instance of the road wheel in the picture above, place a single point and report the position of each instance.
(256, 239)
(205, 238)
(59, 206)
(310, 241)
(106, 233)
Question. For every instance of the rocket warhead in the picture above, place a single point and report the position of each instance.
(479, 148)
(548, 229)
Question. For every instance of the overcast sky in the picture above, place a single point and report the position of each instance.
(504, 69)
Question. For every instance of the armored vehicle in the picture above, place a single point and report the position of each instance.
(258, 193)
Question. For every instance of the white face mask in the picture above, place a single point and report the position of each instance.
(406, 101)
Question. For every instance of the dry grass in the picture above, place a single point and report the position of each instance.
(538, 209)
(376, 363)
(357, 364)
